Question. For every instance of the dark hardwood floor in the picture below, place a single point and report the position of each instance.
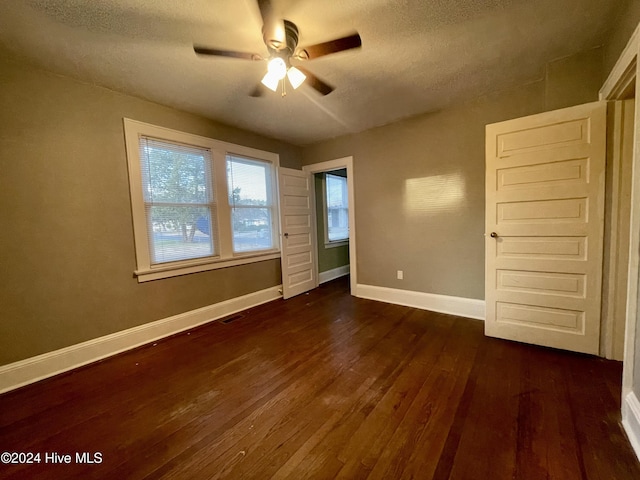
(327, 386)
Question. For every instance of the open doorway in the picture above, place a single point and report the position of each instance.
(332, 224)
(333, 184)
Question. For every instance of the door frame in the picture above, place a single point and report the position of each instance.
(623, 77)
(337, 164)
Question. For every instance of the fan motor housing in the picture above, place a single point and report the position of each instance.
(291, 40)
(291, 32)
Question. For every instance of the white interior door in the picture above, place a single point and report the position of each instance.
(296, 223)
(544, 227)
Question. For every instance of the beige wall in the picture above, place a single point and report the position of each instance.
(572, 80)
(419, 183)
(66, 248)
(625, 25)
(333, 257)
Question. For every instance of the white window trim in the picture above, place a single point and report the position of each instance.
(325, 217)
(145, 271)
(336, 243)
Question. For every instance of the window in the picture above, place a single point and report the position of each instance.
(337, 209)
(251, 202)
(178, 200)
(198, 203)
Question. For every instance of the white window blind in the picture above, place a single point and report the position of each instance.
(179, 200)
(251, 201)
(337, 203)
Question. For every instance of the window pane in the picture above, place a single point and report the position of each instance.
(180, 233)
(249, 181)
(251, 229)
(249, 184)
(174, 173)
(337, 208)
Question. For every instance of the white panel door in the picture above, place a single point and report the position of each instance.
(544, 227)
(296, 221)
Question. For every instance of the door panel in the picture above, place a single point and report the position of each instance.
(567, 172)
(545, 203)
(553, 135)
(298, 250)
(538, 248)
(540, 317)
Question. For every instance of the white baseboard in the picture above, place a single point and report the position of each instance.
(333, 274)
(631, 421)
(463, 307)
(48, 364)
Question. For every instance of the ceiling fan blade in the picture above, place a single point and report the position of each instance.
(332, 46)
(314, 82)
(273, 31)
(225, 53)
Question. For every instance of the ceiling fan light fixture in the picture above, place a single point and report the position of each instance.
(296, 77)
(277, 68)
(281, 36)
(276, 71)
(270, 81)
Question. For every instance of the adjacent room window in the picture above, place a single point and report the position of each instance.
(337, 208)
(198, 203)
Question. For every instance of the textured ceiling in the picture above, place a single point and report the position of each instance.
(417, 56)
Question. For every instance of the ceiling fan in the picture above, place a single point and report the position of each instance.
(281, 38)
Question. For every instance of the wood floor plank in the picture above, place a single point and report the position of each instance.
(315, 362)
(595, 421)
(382, 362)
(487, 444)
(326, 385)
(339, 394)
(372, 436)
(547, 443)
(418, 443)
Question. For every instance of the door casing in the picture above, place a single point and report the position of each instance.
(337, 164)
(622, 81)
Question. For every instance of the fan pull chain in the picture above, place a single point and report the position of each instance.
(284, 88)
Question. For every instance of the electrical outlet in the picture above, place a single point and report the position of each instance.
(400, 274)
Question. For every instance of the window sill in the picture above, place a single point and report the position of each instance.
(338, 243)
(166, 271)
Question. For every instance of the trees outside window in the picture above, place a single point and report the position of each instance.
(179, 200)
